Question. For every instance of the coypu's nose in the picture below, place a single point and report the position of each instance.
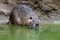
(36, 26)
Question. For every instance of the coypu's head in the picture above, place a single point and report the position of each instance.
(33, 21)
(29, 17)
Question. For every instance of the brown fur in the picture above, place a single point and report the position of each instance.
(23, 15)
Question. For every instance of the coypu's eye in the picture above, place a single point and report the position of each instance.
(30, 18)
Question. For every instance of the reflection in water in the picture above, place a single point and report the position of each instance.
(19, 33)
(12, 29)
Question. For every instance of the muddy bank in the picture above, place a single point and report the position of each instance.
(4, 13)
(47, 10)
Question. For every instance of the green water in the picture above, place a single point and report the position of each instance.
(46, 32)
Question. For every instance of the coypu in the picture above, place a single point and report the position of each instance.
(24, 15)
